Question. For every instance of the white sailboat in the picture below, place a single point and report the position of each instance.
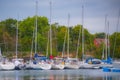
(83, 64)
(58, 64)
(38, 64)
(107, 62)
(32, 64)
(46, 64)
(70, 63)
(18, 62)
(5, 64)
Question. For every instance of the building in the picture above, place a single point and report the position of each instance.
(98, 41)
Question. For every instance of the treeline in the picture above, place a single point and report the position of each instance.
(26, 30)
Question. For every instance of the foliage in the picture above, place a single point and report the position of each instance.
(100, 35)
(115, 45)
(26, 34)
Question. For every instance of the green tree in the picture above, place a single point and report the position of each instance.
(27, 27)
(100, 35)
(115, 45)
(61, 31)
(8, 29)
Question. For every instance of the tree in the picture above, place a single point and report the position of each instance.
(115, 45)
(100, 35)
(27, 27)
(61, 31)
(8, 29)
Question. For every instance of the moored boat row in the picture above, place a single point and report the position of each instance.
(43, 63)
(47, 64)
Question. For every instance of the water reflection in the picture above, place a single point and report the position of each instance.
(58, 75)
(111, 76)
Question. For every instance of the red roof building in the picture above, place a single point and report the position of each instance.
(98, 41)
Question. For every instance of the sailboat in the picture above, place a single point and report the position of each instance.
(44, 62)
(56, 62)
(5, 64)
(19, 62)
(108, 61)
(32, 64)
(70, 63)
(83, 64)
(40, 62)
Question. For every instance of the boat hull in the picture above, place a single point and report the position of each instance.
(58, 66)
(7, 66)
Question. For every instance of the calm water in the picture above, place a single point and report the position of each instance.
(80, 74)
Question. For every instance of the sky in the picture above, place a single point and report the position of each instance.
(94, 12)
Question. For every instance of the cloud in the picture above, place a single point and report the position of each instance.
(94, 11)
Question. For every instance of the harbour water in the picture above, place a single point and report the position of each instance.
(81, 74)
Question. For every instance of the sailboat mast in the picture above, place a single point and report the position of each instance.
(68, 36)
(32, 45)
(64, 43)
(108, 44)
(78, 44)
(17, 39)
(82, 33)
(106, 37)
(47, 44)
(50, 29)
(36, 27)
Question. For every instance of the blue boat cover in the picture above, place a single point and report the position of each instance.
(108, 61)
(106, 69)
(36, 56)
